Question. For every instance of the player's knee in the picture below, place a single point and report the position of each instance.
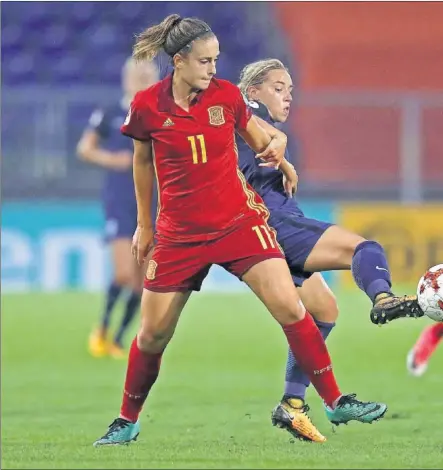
(347, 250)
(332, 309)
(326, 309)
(290, 311)
(152, 342)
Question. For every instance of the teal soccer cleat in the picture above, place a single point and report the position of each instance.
(350, 409)
(120, 432)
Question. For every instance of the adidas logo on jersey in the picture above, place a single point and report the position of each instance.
(168, 123)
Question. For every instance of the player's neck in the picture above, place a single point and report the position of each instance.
(182, 93)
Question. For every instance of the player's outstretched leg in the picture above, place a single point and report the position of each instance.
(418, 357)
(160, 313)
(339, 248)
(371, 273)
(272, 283)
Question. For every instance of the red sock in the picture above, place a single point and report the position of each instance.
(141, 374)
(427, 342)
(310, 352)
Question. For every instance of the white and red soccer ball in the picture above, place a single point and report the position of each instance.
(430, 293)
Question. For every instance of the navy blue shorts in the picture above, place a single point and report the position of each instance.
(120, 222)
(297, 235)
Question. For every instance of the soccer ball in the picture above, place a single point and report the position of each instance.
(430, 293)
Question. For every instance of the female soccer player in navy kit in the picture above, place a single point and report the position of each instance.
(103, 144)
(183, 130)
(309, 245)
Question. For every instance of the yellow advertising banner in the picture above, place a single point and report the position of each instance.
(412, 236)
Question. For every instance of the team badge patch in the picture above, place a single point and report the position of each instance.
(216, 115)
(150, 272)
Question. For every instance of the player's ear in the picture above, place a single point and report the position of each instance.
(253, 93)
(178, 61)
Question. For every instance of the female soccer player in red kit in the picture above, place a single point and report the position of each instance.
(183, 130)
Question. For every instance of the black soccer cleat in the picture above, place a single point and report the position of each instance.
(392, 307)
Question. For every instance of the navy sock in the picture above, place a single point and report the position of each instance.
(296, 381)
(132, 305)
(114, 291)
(370, 269)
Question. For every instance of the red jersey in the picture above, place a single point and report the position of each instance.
(201, 189)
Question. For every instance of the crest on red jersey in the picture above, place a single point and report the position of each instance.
(150, 272)
(216, 115)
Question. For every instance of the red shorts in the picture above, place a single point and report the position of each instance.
(181, 267)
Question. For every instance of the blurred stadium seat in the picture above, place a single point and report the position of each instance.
(84, 33)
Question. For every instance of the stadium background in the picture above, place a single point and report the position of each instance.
(365, 133)
(366, 125)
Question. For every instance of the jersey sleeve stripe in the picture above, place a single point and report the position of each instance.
(159, 202)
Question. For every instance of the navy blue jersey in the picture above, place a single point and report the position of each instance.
(118, 190)
(296, 234)
(267, 182)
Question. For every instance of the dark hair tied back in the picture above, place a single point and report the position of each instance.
(174, 34)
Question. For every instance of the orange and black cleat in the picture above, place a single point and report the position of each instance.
(292, 414)
(388, 307)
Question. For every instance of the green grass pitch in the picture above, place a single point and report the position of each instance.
(211, 406)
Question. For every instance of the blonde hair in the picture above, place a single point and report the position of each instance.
(174, 35)
(147, 67)
(255, 74)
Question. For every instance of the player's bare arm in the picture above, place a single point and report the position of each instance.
(89, 150)
(269, 145)
(144, 174)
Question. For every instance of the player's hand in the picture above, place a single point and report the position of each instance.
(274, 152)
(142, 242)
(121, 161)
(290, 178)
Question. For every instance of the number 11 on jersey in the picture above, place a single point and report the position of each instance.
(263, 229)
(198, 152)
